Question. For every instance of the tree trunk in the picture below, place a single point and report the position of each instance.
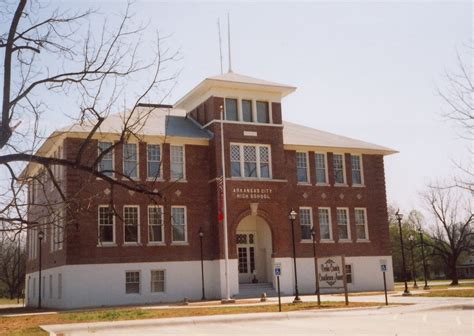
(454, 274)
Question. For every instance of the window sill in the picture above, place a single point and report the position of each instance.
(134, 294)
(156, 244)
(326, 241)
(107, 245)
(179, 243)
(131, 179)
(158, 293)
(362, 241)
(344, 241)
(341, 185)
(152, 179)
(306, 241)
(322, 185)
(239, 178)
(308, 184)
(131, 244)
(112, 177)
(179, 180)
(358, 185)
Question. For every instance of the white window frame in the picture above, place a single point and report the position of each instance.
(325, 169)
(351, 273)
(160, 163)
(258, 162)
(99, 242)
(185, 241)
(311, 224)
(138, 225)
(253, 100)
(139, 282)
(344, 183)
(270, 114)
(60, 286)
(331, 236)
(366, 225)
(239, 109)
(50, 287)
(151, 281)
(162, 241)
(307, 168)
(112, 152)
(183, 179)
(362, 181)
(348, 239)
(126, 177)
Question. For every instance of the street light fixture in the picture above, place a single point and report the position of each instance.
(411, 238)
(292, 217)
(313, 234)
(399, 217)
(420, 231)
(40, 238)
(201, 236)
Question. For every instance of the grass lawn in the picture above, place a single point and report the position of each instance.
(399, 286)
(29, 325)
(448, 293)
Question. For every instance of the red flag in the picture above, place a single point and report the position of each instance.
(220, 200)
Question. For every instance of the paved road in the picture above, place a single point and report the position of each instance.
(428, 318)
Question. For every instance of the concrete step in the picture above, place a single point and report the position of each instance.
(255, 290)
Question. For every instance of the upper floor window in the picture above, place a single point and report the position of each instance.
(321, 168)
(263, 113)
(177, 162)
(178, 224)
(339, 175)
(154, 161)
(106, 224)
(247, 111)
(302, 166)
(324, 216)
(106, 164)
(343, 223)
(130, 160)
(361, 223)
(57, 236)
(356, 163)
(231, 110)
(250, 161)
(306, 223)
(131, 224)
(155, 224)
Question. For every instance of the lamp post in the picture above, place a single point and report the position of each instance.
(40, 238)
(399, 217)
(420, 231)
(411, 238)
(292, 217)
(201, 236)
(313, 234)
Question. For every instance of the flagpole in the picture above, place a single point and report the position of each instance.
(224, 191)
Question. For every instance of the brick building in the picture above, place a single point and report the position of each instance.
(148, 250)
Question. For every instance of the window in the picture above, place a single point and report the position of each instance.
(154, 161)
(60, 285)
(50, 286)
(263, 115)
(178, 223)
(247, 112)
(339, 176)
(321, 172)
(302, 166)
(361, 223)
(106, 224)
(177, 162)
(155, 224)
(132, 282)
(349, 274)
(324, 215)
(130, 160)
(57, 237)
(106, 164)
(356, 163)
(157, 281)
(131, 224)
(251, 161)
(34, 287)
(343, 223)
(231, 112)
(306, 223)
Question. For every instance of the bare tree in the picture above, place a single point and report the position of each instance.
(452, 232)
(458, 94)
(12, 264)
(63, 56)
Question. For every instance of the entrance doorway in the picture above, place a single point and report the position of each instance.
(254, 250)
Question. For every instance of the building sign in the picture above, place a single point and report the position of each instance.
(252, 193)
(331, 272)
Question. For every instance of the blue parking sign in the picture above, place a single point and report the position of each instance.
(277, 269)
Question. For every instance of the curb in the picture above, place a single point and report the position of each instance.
(64, 329)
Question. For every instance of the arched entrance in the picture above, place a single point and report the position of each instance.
(254, 250)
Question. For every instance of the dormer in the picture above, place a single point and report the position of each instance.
(244, 99)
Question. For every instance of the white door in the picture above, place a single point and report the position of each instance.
(246, 255)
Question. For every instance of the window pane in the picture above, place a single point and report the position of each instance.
(106, 164)
(247, 110)
(154, 160)
(130, 160)
(155, 225)
(338, 168)
(264, 161)
(177, 162)
(231, 109)
(235, 160)
(250, 161)
(132, 282)
(131, 224)
(301, 165)
(324, 223)
(356, 169)
(178, 224)
(157, 281)
(262, 112)
(320, 168)
(342, 223)
(106, 226)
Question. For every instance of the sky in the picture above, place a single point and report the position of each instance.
(367, 70)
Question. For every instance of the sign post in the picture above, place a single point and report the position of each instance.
(277, 274)
(383, 268)
(332, 274)
(344, 278)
